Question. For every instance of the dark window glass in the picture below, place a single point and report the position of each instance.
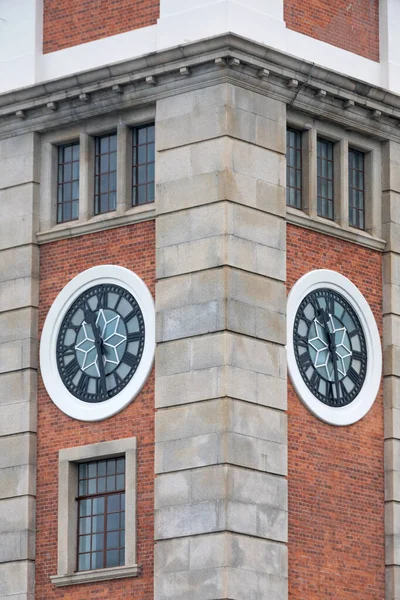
(325, 179)
(68, 183)
(356, 189)
(143, 152)
(293, 168)
(101, 514)
(105, 180)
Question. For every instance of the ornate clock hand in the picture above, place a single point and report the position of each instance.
(332, 348)
(91, 320)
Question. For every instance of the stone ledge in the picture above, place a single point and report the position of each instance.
(98, 575)
(297, 217)
(107, 221)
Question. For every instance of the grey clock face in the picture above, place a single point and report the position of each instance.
(100, 343)
(330, 348)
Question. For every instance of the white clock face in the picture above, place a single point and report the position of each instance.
(334, 355)
(98, 343)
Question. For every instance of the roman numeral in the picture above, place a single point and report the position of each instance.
(301, 340)
(355, 331)
(315, 305)
(117, 378)
(134, 337)
(305, 361)
(72, 368)
(102, 299)
(314, 381)
(83, 383)
(130, 315)
(345, 393)
(353, 375)
(357, 355)
(69, 350)
(330, 303)
(129, 359)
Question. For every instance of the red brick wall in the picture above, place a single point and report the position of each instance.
(71, 22)
(336, 499)
(351, 25)
(132, 247)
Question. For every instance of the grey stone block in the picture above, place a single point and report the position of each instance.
(192, 420)
(257, 162)
(17, 417)
(191, 256)
(187, 453)
(192, 288)
(17, 263)
(172, 489)
(186, 103)
(17, 481)
(391, 389)
(17, 450)
(18, 293)
(256, 290)
(18, 324)
(172, 556)
(271, 198)
(173, 357)
(193, 386)
(207, 123)
(17, 514)
(257, 258)
(17, 387)
(189, 192)
(254, 453)
(206, 584)
(256, 103)
(256, 226)
(191, 224)
(258, 421)
(209, 156)
(17, 545)
(209, 483)
(248, 585)
(17, 578)
(194, 319)
(257, 388)
(187, 519)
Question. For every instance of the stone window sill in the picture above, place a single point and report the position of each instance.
(356, 236)
(97, 223)
(98, 575)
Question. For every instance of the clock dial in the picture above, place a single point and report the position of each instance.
(100, 343)
(330, 347)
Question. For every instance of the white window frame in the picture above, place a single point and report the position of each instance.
(68, 461)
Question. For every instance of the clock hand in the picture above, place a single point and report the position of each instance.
(91, 320)
(332, 348)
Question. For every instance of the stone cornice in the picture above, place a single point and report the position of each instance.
(116, 87)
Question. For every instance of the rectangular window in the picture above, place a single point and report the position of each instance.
(325, 179)
(143, 150)
(293, 168)
(356, 189)
(105, 181)
(68, 183)
(101, 514)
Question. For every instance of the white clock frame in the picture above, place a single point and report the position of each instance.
(358, 408)
(62, 398)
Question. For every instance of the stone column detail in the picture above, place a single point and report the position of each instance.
(391, 343)
(19, 270)
(221, 437)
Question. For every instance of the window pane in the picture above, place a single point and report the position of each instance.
(293, 168)
(112, 558)
(356, 189)
(142, 164)
(68, 182)
(101, 519)
(325, 190)
(105, 174)
(84, 562)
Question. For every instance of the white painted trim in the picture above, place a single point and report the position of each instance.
(61, 397)
(345, 415)
(178, 25)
